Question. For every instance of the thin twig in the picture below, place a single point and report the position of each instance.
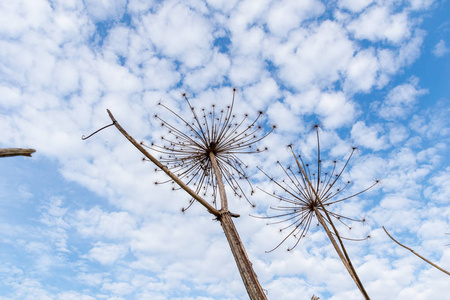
(415, 253)
(86, 137)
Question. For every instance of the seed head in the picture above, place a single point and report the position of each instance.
(186, 152)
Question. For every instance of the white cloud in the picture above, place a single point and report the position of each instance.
(120, 288)
(362, 71)
(107, 253)
(369, 137)
(181, 32)
(335, 110)
(401, 99)
(223, 5)
(354, 5)
(397, 134)
(18, 16)
(306, 58)
(421, 4)
(211, 74)
(440, 49)
(439, 189)
(102, 10)
(97, 223)
(286, 15)
(377, 23)
(245, 70)
(284, 119)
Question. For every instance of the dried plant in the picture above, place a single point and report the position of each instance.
(205, 155)
(6, 152)
(215, 135)
(307, 195)
(416, 254)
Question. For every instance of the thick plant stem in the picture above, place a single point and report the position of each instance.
(248, 275)
(244, 265)
(16, 152)
(223, 195)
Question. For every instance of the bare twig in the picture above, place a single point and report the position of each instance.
(415, 253)
(16, 152)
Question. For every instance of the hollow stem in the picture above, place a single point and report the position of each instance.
(219, 179)
(16, 152)
(248, 275)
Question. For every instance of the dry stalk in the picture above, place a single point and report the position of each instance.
(16, 152)
(206, 156)
(310, 194)
(417, 254)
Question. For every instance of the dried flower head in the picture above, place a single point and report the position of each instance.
(186, 152)
(308, 191)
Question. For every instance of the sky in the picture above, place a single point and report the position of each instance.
(84, 219)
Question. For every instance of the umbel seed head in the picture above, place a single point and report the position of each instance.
(186, 151)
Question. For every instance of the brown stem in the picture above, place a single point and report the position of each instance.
(202, 201)
(16, 152)
(415, 253)
(223, 195)
(348, 264)
(344, 258)
(248, 275)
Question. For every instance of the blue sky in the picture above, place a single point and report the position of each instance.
(83, 219)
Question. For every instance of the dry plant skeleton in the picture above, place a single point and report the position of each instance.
(205, 155)
(307, 195)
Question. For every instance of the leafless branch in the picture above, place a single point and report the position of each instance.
(415, 253)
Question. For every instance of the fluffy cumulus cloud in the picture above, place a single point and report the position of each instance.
(378, 23)
(401, 99)
(368, 137)
(440, 49)
(89, 219)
